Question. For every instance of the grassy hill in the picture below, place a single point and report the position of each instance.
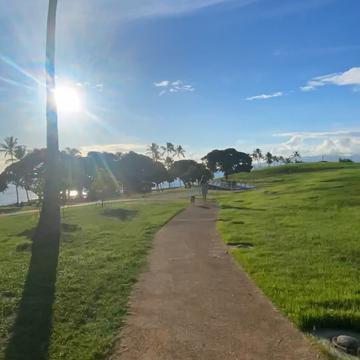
(303, 223)
(293, 169)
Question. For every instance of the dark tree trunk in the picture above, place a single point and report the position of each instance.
(27, 195)
(16, 185)
(33, 326)
(49, 222)
(17, 195)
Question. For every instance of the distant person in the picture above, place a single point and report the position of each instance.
(204, 186)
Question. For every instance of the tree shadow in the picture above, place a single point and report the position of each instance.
(33, 325)
(65, 227)
(121, 214)
(226, 206)
(9, 210)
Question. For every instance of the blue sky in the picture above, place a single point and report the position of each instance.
(282, 75)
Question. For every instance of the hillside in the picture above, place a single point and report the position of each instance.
(302, 225)
(293, 169)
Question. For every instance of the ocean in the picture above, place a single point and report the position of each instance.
(9, 196)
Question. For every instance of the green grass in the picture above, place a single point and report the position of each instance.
(101, 254)
(7, 209)
(303, 221)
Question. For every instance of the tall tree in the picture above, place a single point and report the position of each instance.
(28, 172)
(154, 152)
(168, 149)
(49, 222)
(9, 149)
(296, 156)
(168, 162)
(103, 186)
(189, 171)
(135, 172)
(20, 152)
(269, 158)
(159, 174)
(179, 151)
(228, 161)
(257, 155)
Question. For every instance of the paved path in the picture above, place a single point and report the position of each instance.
(194, 302)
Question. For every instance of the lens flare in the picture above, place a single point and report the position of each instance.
(67, 99)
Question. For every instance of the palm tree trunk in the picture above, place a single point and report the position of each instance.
(49, 222)
(17, 195)
(27, 195)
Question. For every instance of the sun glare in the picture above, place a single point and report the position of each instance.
(67, 99)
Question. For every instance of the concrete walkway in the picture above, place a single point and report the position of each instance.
(194, 302)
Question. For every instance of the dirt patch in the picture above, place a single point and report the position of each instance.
(121, 214)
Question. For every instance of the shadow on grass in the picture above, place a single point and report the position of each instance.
(9, 210)
(330, 321)
(121, 214)
(33, 326)
(67, 228)
(225, 206)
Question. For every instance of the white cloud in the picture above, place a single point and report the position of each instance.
(349, 77)
(153, 8)
(265, 96)
(163, 83)
(173, 87)
(113, 148)
(342, 143)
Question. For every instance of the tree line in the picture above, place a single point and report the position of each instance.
(270, 159)
(102, 175)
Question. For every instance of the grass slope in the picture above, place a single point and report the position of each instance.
(303, 221)
(101, 254)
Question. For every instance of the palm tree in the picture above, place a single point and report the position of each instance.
(257, 155)
(49, 222)
(20, 152)
(168, 162)
(169, 149)
(179, 151)
(296, 156)
(269, 158)
(154, 151)
(9, 149)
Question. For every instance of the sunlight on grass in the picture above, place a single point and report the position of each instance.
(304, 224)
(101, 254)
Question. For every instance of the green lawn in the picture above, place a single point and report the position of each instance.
(304, 223)
(7, 209)
(101, 254)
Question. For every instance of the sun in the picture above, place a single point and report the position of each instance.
(67, 99)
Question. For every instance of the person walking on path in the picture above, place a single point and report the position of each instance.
(204, 186)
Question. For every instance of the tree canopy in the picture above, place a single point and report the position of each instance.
(189, 171)
(228, 161)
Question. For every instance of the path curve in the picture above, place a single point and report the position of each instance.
(195, 302)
